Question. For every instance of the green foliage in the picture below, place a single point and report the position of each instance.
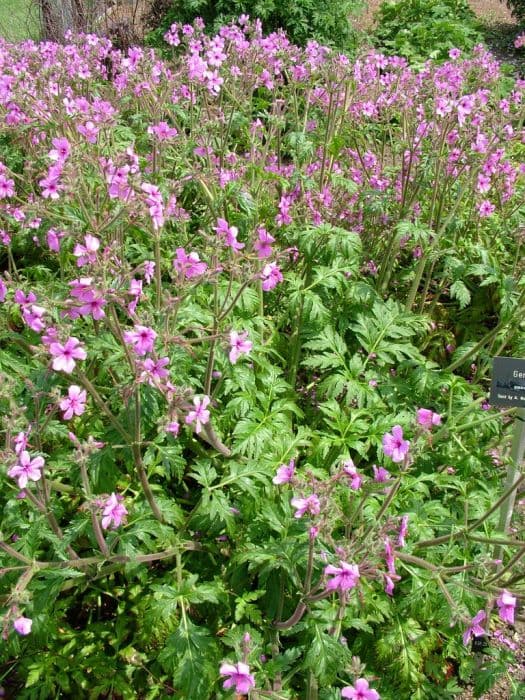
(421, 29)
(328, 22)
(392, 294)
(518, 8)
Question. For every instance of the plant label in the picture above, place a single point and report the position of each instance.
(508, 382)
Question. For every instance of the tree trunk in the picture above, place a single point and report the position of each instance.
(57, 16)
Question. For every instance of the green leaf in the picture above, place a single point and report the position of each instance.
(190, 655)
(459, 291)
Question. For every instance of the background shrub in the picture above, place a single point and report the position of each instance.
(421, 29)
(518, 9)
(327, 22)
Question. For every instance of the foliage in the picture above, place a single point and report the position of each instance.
(518, 9)
(419, 29)
(328, 22)
(250, 297)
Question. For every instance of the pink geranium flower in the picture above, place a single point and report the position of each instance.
(74, 404)
(173, 428)
(200, 416)
(114, 512)
(229, 233)
(380, 474)
(394, 446)
(284, 473)
(310, 505)
(344, 578)
(474, 629)
(20, 441)
(87, 253)
(154, 370)
(65, 355)
(403, 531)
(162, 131)
(51, 187)
(7, 187)
(23, 625)
(26, 469)
(486, 208)
(360, 691)
(141, 338)
(189, 264)
(427, 418)
(239, 677)
(350, 470)
(263, 244)
(507, 606)
(271, 276)
(33, 315)
(240, 345)
(60, 150)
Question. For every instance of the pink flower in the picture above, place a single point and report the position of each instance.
(310, 505)
(240, 345)
(271, 276)
(403, 530)
(427, 418)
(149, 270)
(500, 637)
(26, 469)
(74, 404)
(7, 187)
(3, 290)
(53, 238)
(507, 605)
(65, 355)
(284, 473)
(163, 131)
(344, 578)
(389, 585)
(239, 676)
(519, 41)
(389, 557)
(356, 479)
(88, 253)
(51, 187)
(142, 339)
(263, 244)
(89, 131)
(360, 691)
(61, 150)
(93, 305)
(229, 233)
(190, 264)
(154, 369)
(486, 208)
(20, 441)
(114, 512)
(380, 474)
(32, 315)
(23, 625)
(200, 416)
(394, 446)
(173, 427)
(475, 629)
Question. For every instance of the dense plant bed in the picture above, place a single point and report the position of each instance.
(249, 302)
